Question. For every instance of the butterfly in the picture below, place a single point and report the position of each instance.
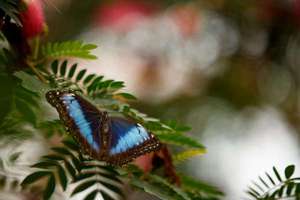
(115, 140)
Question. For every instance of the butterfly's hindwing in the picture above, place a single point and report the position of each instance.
(128, 141)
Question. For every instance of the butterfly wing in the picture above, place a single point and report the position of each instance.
(82, 119)
(128, 140)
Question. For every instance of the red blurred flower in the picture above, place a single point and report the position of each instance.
(123, 15)
(32, 18)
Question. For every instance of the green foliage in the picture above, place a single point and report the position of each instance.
(65, 166)
(154, 184)
(68, 49)
(63, 76)
(51, 128)
(276, 186)
(159, 187)
(199, 190)
(106, 92)
(18, 100)
(10, 8)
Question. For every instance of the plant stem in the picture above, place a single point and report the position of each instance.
(37, 73)
(36, 47)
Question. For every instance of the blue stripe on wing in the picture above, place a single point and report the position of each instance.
(82, 121)
(126, 135)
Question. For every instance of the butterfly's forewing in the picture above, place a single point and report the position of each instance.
(82, 119)
(128, 140)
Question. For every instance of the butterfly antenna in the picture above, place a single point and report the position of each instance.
(51, 4)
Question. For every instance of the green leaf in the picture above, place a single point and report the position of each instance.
(26, 111)
(177, 127)
(289, 171)
(253, 192)
(160, 189)
(264, 182)
(83, 186)
(277, 174)
(53, 157)
(94, 84)
(183, 156)
(68, 49)
(7, 86)
(151, 189)
(285, 188)
(62, 150)
(196, 186)
(89, 46)
(70, 169)
(88, 78)
(111, 187)
(180, 139)
(72, 70)
(85, 175)
(270, 178)
(34, 177)
(297, 188)
(54, 66)
(80, 75)
(280, 191)
(116, 84)
(62, 177)
(289, 189)
(92, 195)
(45, 164)
(176, 190)
(110, 176)
(104, 84)
(71, 144)
(30, 84)
(63, 68)
(126, 96)
(50, 187)
(106, 196)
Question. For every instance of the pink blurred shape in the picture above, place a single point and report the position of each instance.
(33, 19)
(123, 15)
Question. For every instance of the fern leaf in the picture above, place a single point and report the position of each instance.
(63, 68)
(50, 187)
(72, 70)
(199, 188)
(289, 171)
(183, 156)
(160, 188)
(181, 140)
(277, 174)
(35, 177)
(284, 189)
(95, 174)
(68, 49)
(83, 186)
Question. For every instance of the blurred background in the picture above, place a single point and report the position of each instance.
(227, 68)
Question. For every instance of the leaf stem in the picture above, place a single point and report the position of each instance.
(37, 73)
(36, 47)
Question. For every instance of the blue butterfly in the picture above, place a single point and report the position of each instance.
(115, 140)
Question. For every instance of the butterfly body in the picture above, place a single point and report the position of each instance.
(112, 139)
